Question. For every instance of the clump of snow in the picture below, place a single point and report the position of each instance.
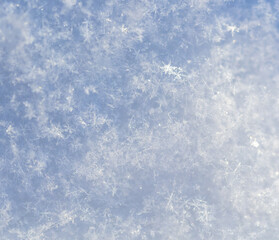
(69, 3)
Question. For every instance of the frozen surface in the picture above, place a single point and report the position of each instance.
(139, 119)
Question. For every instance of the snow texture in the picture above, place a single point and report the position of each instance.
(139, 119)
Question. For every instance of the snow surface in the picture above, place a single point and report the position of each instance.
(139, 119)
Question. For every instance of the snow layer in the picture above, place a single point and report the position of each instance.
(136, 119)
